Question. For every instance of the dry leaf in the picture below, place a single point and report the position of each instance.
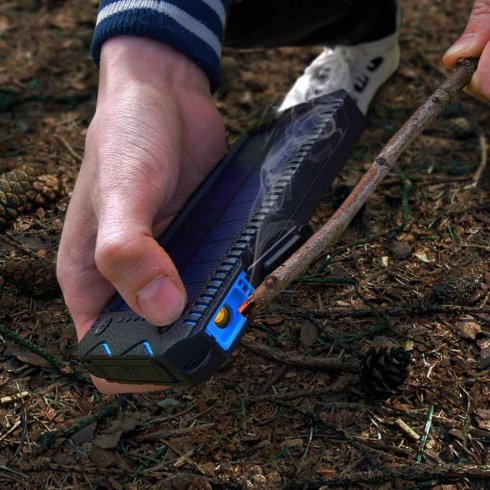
(84, 435)
(273, 320)
(309, 333)
(401, 250)
(483, 418)
(102, 458)
(422, 256)
(110, 438)
(26, 356)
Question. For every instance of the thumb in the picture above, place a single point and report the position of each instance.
(143, 273)
(474, 38)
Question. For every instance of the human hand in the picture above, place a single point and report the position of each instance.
(155, 136)
(475, 43)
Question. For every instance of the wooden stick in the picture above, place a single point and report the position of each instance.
(293, 359)
(407, 472)
(331, 231)
(166, 434)
(483, 158)
(13, 398)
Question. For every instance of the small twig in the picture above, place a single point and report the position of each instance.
(13, 398)
(425, 435)
(292, 395)
(154, 458)
(23, 434)
(419, 309)
(298, 263)
(432, 182)
(407, 188)
(407, 430)
(482, 140)
(408, 472)
(14, 472)
(4, 436)
(16, 97)
(334, 427)
(165, 434)
(13, 242)
(184, 457)
(315, 363)
(69, 148)
(276, 376)
(60, 366)
(45, 465)
(385, 447)
(48, 439)
(306, 450)
(469, 210)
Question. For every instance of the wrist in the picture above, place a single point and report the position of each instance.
(126, 59)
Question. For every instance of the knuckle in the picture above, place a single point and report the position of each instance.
(481, 9)
(113, 251)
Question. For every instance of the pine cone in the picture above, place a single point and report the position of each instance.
(24, 187)
(455, 289)
(45, 189)
(384, 370)
(33, 277)
(14, 186)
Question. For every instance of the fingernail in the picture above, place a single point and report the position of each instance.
(161, 301)
(464, 43)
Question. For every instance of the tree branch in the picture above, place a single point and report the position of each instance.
(408, 472)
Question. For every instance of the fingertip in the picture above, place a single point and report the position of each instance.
(161, 301)
(469, 45)
(144, 274)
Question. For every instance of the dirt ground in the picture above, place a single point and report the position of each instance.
(412, 269)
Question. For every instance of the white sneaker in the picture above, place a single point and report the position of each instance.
(360, 70)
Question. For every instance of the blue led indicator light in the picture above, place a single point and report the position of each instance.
(148, 348)
(107, 349)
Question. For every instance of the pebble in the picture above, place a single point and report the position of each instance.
(168, 404)
(401, 250)
(461, 127)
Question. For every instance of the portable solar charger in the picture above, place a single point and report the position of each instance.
(249, 215)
